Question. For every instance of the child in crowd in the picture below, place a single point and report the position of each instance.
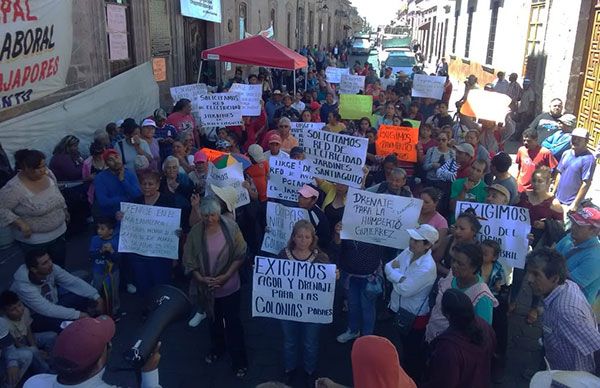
(19, 322)
(105, 263)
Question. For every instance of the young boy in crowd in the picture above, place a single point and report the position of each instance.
(19, 322)
(105, 263)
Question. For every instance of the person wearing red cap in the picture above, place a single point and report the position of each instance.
(581, 248)
(275, 147)
(80, 356)
(115, 185)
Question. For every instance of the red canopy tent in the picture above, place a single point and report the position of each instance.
(257, 50)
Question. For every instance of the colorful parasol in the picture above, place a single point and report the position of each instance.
(229, 159)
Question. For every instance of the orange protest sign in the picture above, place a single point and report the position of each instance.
(211, 154)
(401, 141)
(159, 68)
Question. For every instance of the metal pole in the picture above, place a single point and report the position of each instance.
(294, 82)
(200, 71)
(306, 79)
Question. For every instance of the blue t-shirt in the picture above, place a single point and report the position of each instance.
(100, 260)
(558, 143)
(574, 169)
(583, 264)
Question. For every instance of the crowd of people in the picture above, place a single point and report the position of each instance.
(448, 293)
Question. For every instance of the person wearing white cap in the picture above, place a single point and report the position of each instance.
(147, 135)
(575, 172)
(412, 274)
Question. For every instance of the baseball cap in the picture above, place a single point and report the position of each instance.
(276, 91)
(256, 152)
(275, 138)
(222, 144)
(580, 132)
(200, 157)
(568, 119)
(466, 148)
(5, 337)
(424, 232)
(588, 216)
(308, 192)
(498, 187)
(109, 152)
(148, 123)
(82, 343)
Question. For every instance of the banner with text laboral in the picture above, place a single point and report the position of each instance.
(293, 290)
(37, 37)
(380, 219)
(509, 225)
(334, 157)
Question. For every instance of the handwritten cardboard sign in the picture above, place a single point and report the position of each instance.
(280, 222)
(429, 86)
(355, 106)
(220, 109)
(380, 219)
(351, 84)
(293, 290)
(191, 92)
(250, 96)
(286, 176)
(509, 225)
(230, 176)
(149, 230)
(401, 141)
(298, 127)
(335, 157)
(334, 74)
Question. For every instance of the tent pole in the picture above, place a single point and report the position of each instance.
(306, 78)
(200, 71)
(294, 82)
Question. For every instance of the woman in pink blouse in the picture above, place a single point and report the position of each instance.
(429, 215)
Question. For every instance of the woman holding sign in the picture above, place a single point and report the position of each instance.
(302, 246)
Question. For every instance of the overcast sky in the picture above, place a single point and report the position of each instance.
(376, 11)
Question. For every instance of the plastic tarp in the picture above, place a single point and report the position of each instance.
(133, 93)
(258, 51)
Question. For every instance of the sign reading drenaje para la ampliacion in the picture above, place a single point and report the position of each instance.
(293, 290)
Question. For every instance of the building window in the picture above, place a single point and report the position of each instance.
(300, 27)
(492, 36)
(311, 28)
(535, 30)
(243, 15)
(273, 17)
(119, 36)
(289, 29)
(469, 26)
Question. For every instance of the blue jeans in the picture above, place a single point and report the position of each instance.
(361, 307)
(305, 333)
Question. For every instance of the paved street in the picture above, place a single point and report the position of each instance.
(183, 348)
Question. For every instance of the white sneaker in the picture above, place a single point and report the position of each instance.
(131, 288)
(347, 336)
(196, 319)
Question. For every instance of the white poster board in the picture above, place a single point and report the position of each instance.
(149, 230)
(297, 128)
(429, 86)
(286, 176)
(351, 84)
(293, 290)
(380, 219)
(280, 222)
(250, 96)
(37, 41)
(191, 92)
(334, 157)
(334, 74)
(230, 176)
(509, 225)
(220, 109)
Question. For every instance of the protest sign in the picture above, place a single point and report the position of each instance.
(191, 92)
(486, 105)
(149, 230)
(280, 222)
(351, 84)
(37, 41)
(286, 176)
(230, 176)
(298, 127)
(509, 225)
(250, 96)
(355, 106)
(429, 86)
(334, 157)
(220, 109)
(334, 74)
(415, 123)
(293, 290)
(397, 140)
(380, 219)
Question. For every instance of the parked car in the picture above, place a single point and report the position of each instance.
(400, 61)
(361, 46)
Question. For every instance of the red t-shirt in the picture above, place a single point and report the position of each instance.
(528, 161)
(258, 172)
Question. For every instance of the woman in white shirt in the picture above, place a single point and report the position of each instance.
(412, 274)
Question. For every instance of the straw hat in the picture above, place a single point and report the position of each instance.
(227, 194)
